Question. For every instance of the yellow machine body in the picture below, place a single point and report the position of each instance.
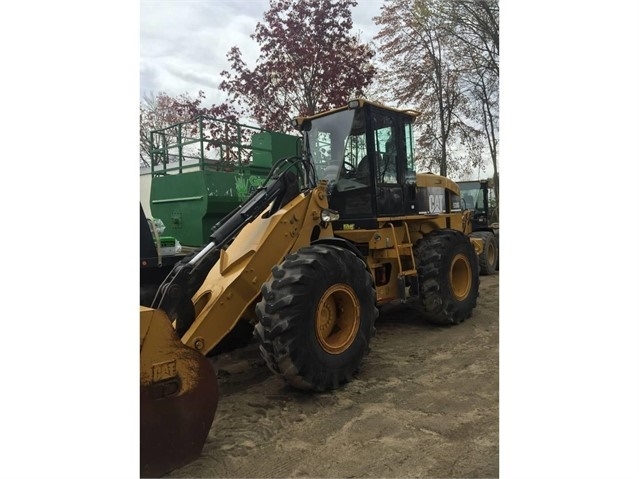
(233, 285)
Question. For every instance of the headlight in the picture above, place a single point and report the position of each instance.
(329, 215)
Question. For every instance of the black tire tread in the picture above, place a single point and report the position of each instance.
(285, 301)
(433, 255)
(487, 237)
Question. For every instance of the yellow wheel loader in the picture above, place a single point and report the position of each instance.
(478, 198)
(332, 234)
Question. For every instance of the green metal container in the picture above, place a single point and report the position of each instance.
(198, 179)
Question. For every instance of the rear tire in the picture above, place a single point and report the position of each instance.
(316, 317)
(448, 273)
(489, 258)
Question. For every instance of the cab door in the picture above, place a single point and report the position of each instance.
(387, 142)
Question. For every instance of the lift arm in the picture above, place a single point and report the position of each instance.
(175, 293)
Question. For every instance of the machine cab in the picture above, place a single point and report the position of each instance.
(364, 151)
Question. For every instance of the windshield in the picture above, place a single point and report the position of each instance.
(472, 194)
(327, 141)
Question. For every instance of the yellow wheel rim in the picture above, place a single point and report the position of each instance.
(460, 277)
(337, 319)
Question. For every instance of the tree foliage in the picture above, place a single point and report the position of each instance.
(309, 61)
(425, 45)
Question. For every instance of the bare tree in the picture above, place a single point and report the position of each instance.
(417, 47)
(474, 26)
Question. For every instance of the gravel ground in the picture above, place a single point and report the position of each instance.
(425, 404)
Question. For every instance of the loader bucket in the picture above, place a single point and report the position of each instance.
(178, 397)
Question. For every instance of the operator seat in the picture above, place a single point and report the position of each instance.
(362, 172)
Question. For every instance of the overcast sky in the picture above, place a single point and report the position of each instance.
(183, 43)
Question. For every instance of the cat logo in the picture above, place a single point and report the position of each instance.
(436, 203)
(165, 370)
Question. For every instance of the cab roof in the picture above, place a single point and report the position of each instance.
(358, 103)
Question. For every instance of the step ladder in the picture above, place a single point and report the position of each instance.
(407, 278)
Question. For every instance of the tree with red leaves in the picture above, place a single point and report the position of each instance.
(309, 61)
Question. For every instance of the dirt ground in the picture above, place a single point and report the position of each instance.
(425, 404)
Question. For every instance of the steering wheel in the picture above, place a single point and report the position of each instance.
(350, 164)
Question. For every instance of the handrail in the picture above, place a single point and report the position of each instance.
(220, 144)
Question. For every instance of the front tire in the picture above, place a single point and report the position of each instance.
(316, 317)
(448, 273)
